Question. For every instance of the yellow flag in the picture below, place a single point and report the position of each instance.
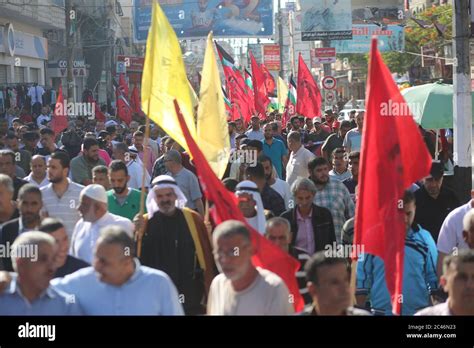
(164, 79)
(194, 97)
(282, 94)
(212, 129)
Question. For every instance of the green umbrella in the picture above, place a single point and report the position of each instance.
(431, 105)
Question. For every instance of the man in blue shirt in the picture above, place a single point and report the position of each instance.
(419, 270)
(118, 284)
(29, 291)
(275, 149)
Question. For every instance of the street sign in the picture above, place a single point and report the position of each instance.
(121, 68)
(329, 82)
(325, 55)
(330, 96)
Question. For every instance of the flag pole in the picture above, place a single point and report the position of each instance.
(139, 236)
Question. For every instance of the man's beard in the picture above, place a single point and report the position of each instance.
(56, 179)
(120, 190)
(268, 177)
(319, 182)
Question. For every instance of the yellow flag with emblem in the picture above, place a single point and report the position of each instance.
(282, 94)
(164, 79)
(212, 130)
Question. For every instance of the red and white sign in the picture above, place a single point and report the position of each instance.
(132, 63)
(330, 96)
(325, 55)
(271, 57)
(329, 82)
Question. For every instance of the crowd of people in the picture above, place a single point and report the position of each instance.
(73, 240)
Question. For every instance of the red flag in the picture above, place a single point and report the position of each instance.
(135, 101)
(267, 255)
(124, 110)
(397, 157)
(309, 97)
(259, 88)
(59, 121)
(99, 115)
(269, 81)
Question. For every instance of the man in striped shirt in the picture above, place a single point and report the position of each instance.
(61, 196)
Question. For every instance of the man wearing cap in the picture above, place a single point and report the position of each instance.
(174, 239)
(434, 201)
(335, 140)
(318, 135)
(353, 138)
(186, 180)
(93, 205)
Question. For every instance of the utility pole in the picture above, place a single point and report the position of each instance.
(327, 66)
(280, 34)
(462, 105)
(71, 15)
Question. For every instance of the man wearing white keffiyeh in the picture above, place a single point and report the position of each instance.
(175, 241)
(250, 203)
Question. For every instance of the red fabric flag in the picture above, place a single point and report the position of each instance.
(309, 97)
(259, 88)
(124, 110)
(269, 81)
(99, 115)
(267, 255)
(135, 102)
(397, 157)
(59, 121)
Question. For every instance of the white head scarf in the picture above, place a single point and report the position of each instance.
(251, 188)
(161, 182)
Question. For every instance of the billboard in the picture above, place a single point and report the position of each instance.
(378, 11)
(391, 38)
(195, 19)
(326, 20)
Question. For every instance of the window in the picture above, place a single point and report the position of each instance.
(19, 74)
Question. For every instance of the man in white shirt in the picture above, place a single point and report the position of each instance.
(38, 175)
(93, 203)
(280, 186)
(241, 288)
(451, 234)
(339, 169)
(353, 138)
(44, 118)
(458, 281)
(297, 166)
(121, 152)
(255, 133)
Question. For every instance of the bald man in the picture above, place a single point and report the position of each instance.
(38, 175)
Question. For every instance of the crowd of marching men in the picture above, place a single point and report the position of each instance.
(73, 241)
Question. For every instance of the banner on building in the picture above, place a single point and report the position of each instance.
(271, 57)
(195, 19)
(326, 20)
(390, 39)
